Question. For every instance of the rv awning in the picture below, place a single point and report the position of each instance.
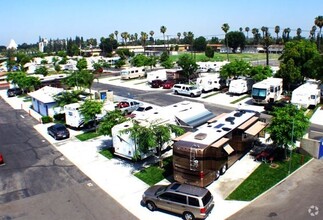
(248, 123)
(228, 149)
(220, 142)
(195, 119)
(256, 128)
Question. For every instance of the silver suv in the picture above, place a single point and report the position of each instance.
(190, 90)
(187, 200)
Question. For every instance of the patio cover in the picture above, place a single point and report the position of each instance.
(195, 117)
(256, 128)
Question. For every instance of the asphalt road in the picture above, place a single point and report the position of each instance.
(37, 182)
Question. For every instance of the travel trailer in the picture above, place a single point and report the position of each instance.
(201, 156)
(268, 90)
(204, 67)
(240, 86)
(210, 82)
(156, 74)
(133, 72)
(307, 95)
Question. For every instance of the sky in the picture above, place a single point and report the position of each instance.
(27, 20)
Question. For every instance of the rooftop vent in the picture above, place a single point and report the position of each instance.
(200, 136)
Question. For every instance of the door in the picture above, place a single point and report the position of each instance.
(321, 149)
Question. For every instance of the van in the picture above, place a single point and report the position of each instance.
(190, 90)
(187, 200)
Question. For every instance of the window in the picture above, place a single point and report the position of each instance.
(313, 96)
(193, 201)
(179, 198)
(166, 196)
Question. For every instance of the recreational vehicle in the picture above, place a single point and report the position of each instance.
(268, 90)
(210, 82)
(156, 74)
(133, 72)
(240, 86)
(307, 95)
(201, 156)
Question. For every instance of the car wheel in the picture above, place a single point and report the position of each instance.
(55, 137)
(151, 206)
(176, 93)
(217, 174)
(192, 95)
(224, 169)
(188, 216)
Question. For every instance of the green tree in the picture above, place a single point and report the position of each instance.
(188, 65)
(81, 64)
(167, 64)
(90, 109)
(42, 71)
(235, 68)
(247, 29)
(209, 52)
(199, 44)
(67, 97)
(163, 31)
(139, 60)
(79, 79)
(225, 27)
(259, 73)
(289, 73)
(110, 120)
(319, 22)
(288, 125)
(29, 83)
(277, 30)
(235, 39)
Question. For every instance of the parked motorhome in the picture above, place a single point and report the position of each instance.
(307, 95)
(133, 72)
(201, 156)
(204, 67)
(210, 82)
(156, 74)
(240, 86)
(268, 90)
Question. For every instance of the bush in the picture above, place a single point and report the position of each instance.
(46, 119)
(60, 117)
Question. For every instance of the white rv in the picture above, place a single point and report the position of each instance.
(204, 67)
(240, 86)
(307, 95)
(156, 74)
(210, 82)
(268, 90)
(133, 72)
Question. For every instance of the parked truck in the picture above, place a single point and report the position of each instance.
(201, 156)
(307, 95)
(268, 90)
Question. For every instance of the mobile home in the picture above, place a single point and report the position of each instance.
(133, 72)
(156, 74)
(201, 156)
(268, 90)
(210, 82)
(307, 95)
(240, 86)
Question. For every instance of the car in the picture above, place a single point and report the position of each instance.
(157, 83)
(1, 160)
(128, 106)
(141, 111)
(183, 89)
(58, 131)
(168, 84)
(12, 92)
(187, 200)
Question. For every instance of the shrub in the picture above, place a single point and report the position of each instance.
(46, 119)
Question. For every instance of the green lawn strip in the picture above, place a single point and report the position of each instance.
(144, 82)
(310, 112)
(107, 153)
(210, 95)
(265, 177)
(154, 174)
(87, 135)
(238, 100)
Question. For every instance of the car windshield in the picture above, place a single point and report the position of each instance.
(160, 190)
(140, 109)
(192, 87)
(60, 128)
(259, 92)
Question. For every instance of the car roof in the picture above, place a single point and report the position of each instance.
(188, 189)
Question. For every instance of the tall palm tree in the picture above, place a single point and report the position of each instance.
(136, 37)
(298, 33)
(277, 30)
(240, 29)
(151, 33)
(319, 22)
(111, 37)
(132, 39)
(190, 37)
(286, 33)
(163, 31)
(178, 36)
(264, 29)
(116, 34)
(143, 37)
(225, 27)
(247, 29)
(125, 36)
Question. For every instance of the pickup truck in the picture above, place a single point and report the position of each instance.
(128, 106)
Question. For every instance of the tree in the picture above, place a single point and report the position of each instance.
(143, 37)
(57, 68)
(209, 52)
(139, 60)
(110, 120)
(199, 44)
(256, 35)
(90, 109)
(225, 27)
(247, 29)
(178, 36)
(26, 83)
(81, 64)
(42, 71)
(67, 97)
(288, 125)
(116, 34)
(235, 39)
(289, 73)
(79, 79)
(151, 33)
(264, 29)
(277, 30)
(235, 69)
(259, 73)
(188, 65)
(163, 31)
(319, 22)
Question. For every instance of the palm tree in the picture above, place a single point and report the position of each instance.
(116, 34)
(247, 29)
(151, 33)
(277, 30)
(298, 32)
(125, 36)
(143, 37)
(111, 37)
(178, 36)
(136, 37)
(264, 29)
(225, 27)
(240, 29)
(163, 31)
(319, 22)
(286, 34)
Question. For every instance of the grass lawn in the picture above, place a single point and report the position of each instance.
(107, 153)
(238, 100)
(265, 177)
(87, 135)
(154, 174)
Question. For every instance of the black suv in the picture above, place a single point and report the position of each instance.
(14, 92)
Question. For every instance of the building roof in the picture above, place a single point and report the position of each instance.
(46, 94)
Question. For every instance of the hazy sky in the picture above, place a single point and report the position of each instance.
(26, 20)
